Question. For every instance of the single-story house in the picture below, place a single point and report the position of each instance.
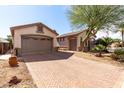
(75, 41)
(39, 38)
(33, 38)
(4, 46)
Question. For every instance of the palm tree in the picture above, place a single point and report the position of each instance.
(121, 26)
(105, 41)
(95, 17)
(99, 48)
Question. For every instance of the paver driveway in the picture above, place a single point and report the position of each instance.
(67, 70)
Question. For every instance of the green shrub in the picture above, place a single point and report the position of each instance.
(121, 58)
(119, 52)
(118, 55)
(114, 56)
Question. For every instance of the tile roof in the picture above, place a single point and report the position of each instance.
(71, 33)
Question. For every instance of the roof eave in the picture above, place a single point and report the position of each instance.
(70, 35)
(28, 25)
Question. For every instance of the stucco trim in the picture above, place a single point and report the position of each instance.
(36, 35)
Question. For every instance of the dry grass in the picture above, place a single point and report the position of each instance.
(7, 72)
(105, 58)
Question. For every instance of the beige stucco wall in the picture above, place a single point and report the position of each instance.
(64, 43)
(83, 35)
(32, 30)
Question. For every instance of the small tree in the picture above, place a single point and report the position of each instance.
(95, 17)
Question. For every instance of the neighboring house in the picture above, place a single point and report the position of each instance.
(33, 38)
(113, 46)
(4, 46)
(75, 41)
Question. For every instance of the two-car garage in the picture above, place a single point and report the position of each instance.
(36, 44)
(35, 38)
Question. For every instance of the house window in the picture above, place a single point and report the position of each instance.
(61, 39)
(40, 29)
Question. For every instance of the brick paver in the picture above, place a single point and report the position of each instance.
(65, 70)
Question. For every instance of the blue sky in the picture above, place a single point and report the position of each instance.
(53, 16)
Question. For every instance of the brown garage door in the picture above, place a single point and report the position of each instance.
(35, 45)
(73, 44)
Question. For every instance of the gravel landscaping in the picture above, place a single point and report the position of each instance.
(104, 59)
(21, 73)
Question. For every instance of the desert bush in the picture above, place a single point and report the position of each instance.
(119, 52)
(114, 56)
(118, 55)
(121, 58)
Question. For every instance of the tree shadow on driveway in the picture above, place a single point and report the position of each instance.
(47, 56)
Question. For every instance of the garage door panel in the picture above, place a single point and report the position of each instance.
(30, 45)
